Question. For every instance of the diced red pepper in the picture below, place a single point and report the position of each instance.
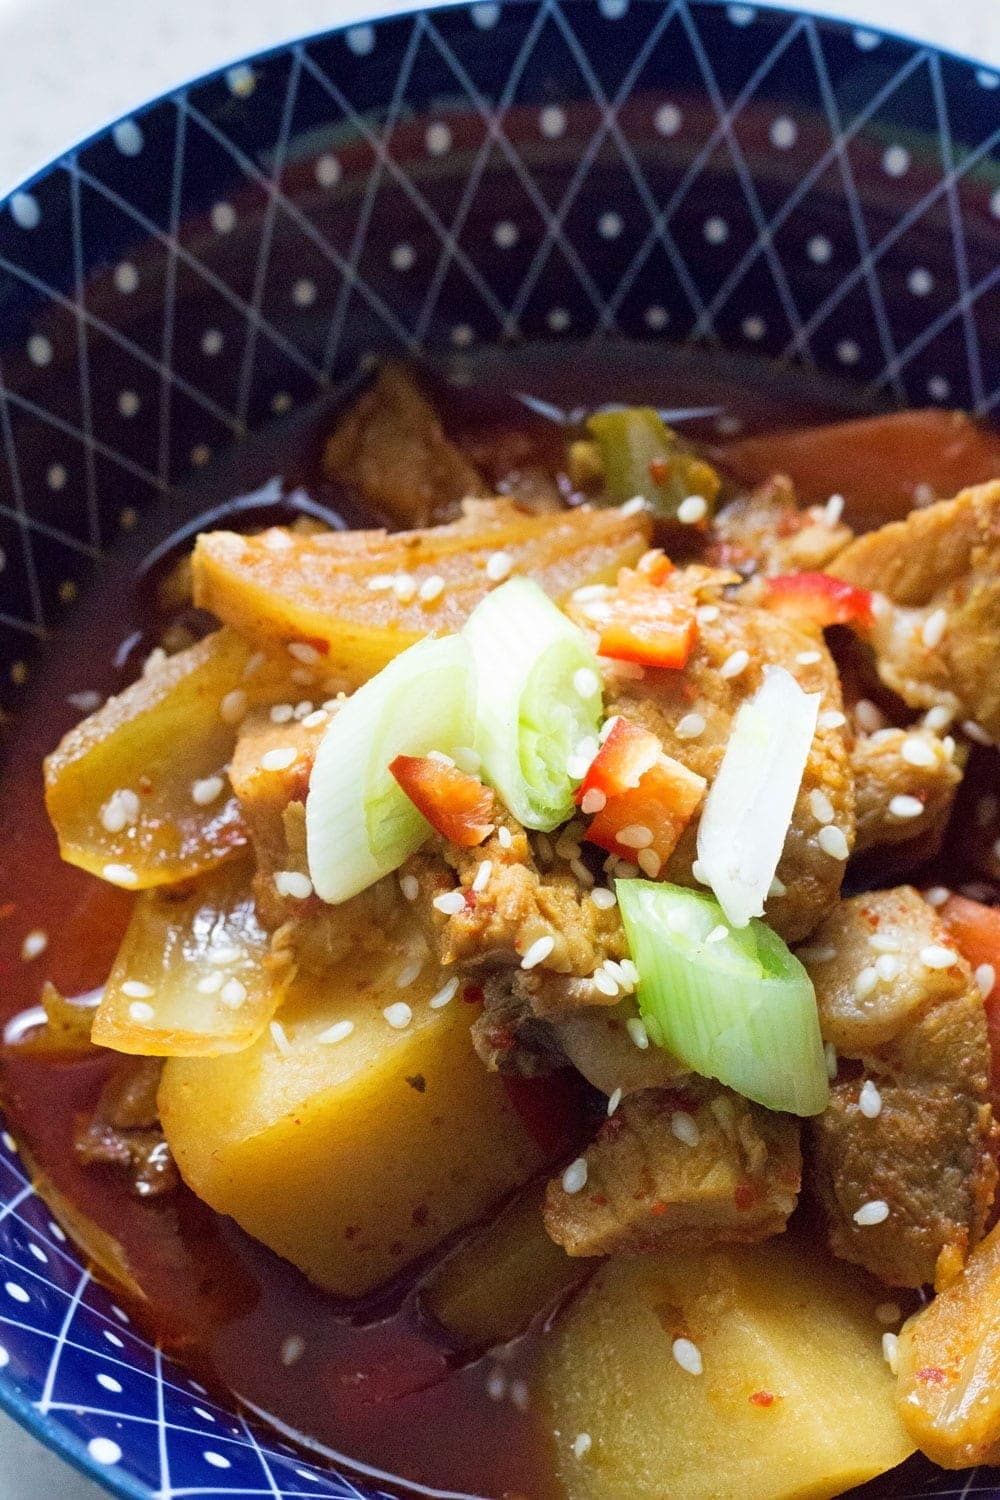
(975, 930)
(820, 599)
(643, 788)
(456, 805)
(650, 628)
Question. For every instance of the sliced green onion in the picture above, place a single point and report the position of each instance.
(749, 806)
(733, 1004)
(640, 455)
(534, 730)
(360, 824)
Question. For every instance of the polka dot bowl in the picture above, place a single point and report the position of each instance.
(687, 171)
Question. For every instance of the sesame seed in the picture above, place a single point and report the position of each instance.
(496, 1384)
(937, 895)
(867, 716)
(293, 883)
(34, 945)
(281, 713)
(410, 887)
(875, 1211)
(887, 966)
(832, 841)
(279, 759)
(830, 1054)
(614, 1101)
(589, 592)
(304, 653)
(717, 934)
(399, 1015)
(504, 837)
(605, 983)
(303, 709)
(227, 953)
(451, 903)
(870, 1100)
(338, 1032)
(917, 752)
(635, 836)
(649, 863)
(820, 806)
(821, 954)
(933, 628)
(777, 888)
(467, 759)
(408, 973)
(211, 984)
(498, 566)
(689, 727)
(538, 952)
(280, 1038)
(884, 942)
(735, 664)
(582, 1444)
(890, 1349)
(937, 956)
(986, 978)
(440, 757)
(518, 1393)
(141, 1010)
(404, 586)
(120, 811)
(706, 614)
(808, 658)
(206, 790)
(684, 1127)
(447, 992)
(483, 874)
(593, 801)
(136, 990)
(233, 706)
(975, 732)
(633, 507)
(120, 875)
(889, 1312)
(904, 806)
(938, 718)
(636, 1029)
(574, 1179)
(233, 993)
(314, 720)
(292, 1349)
(381, 583)
(831, 719)
(581, 872)
(431, 589)
(865, 982)
(692, 509)
(833, 510)
(687, 1355)
(603, 899)
(586, 683)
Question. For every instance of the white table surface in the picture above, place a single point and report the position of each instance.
(69, 66)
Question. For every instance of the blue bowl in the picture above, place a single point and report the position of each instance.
(744, 178)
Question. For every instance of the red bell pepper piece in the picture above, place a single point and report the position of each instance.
(820, 599)
(627, 753)
(643, 790)
(647, 627)
(455, 805)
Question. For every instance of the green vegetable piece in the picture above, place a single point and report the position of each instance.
(640, 455)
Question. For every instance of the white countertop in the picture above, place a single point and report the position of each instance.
(67, 67)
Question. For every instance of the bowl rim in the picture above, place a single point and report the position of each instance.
(57, 1438)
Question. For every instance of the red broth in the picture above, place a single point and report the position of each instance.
(375, 1381)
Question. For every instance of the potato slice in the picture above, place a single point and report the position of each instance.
(489, 1289)
(331, 592)
(120, 788)
(949, 1366)
(795, 1401)
(350, 1154)
(193, 976)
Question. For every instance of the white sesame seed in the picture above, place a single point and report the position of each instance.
(636, 1029)
(440, 757)
(687, 1355)
(685, 1128)
(404, 586)
(574, 1179)
(884, 942)
(467, 759)
(937, 956)
(689, 727)
(381, 583)
(821, 954)
(581, 872)
(832, 718)
(936, 719)
(206, 790)
(937, 895)
(136, 990)
(586, 683)
(34, 945)
(518, 1393)
(582, 1444)
(431, 589)
(917, 752)
(504, 837)
(649, 863)
(975, 732)
(120, 811)
(399, 1015)
(904, 806)
(233, 993)
(293, 883)
(280, 1038)
(718, 934)
(498, 566)
(865, 982)
(410, 886)
(315, 719)
(141, 1011)
(634, 836)
(808, 658)
(633, 507)
(211, 984)
(304, 653)
(338, 1032)
(933, 628)
(777, 887)
(705, 614)
(867, 717)
(603, 898)
(890, 1350)
(281, 713)
(451, 903)
(591, 591)
(292, 1349)
(887, 966)
(605, 983)
(820, 806)
(496, 1384)
(889, 1312)
(870, 1100)
(408, 973)
(832, 841)
(614, 1101)
(833, 510)
(830, 1054)
(735, 664)
(876, 1211)
(447, 992)
(483, 874)
(303, 710)
(986, 978)
(692, 509)
(279, 759)
(538, 952)
(567, 847)
(233, 706)
(593, 801)
(120, 875)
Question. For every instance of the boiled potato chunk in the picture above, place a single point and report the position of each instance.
(193, 976)
(949, 1366)
(334, 592)
(795, 1401)
(120, 788)
(350, 1154)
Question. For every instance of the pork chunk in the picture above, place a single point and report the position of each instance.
(913, 763)
(918, 1031)
(701, 1166)
(766, 532)
(391, 449)
(938, 639)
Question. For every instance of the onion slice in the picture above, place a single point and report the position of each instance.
(538, 703)
(750, 803)
(733, 1004)
(360, 824)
